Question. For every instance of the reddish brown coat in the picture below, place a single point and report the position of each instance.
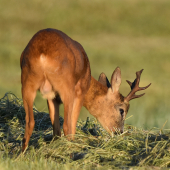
(58, 66)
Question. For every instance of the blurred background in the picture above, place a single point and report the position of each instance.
(128, 33)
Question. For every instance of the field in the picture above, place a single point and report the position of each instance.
(129, 34)
(92, 148)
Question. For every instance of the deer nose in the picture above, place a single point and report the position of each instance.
(118, 132)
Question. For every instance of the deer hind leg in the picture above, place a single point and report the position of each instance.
(53, 106)
(28, 95)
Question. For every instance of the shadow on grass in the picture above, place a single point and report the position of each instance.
(12, 123)
(92, 145)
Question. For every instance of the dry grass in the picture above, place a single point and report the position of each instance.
(92, 147)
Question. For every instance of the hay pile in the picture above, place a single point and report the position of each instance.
(92, 146)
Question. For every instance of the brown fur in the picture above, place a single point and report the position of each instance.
(58, 66)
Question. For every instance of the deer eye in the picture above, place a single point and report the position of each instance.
(121, 112)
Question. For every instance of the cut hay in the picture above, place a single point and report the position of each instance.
(92, 147)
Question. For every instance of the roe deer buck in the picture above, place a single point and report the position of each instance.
(58, 66)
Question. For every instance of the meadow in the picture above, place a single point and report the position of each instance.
(129, 34)
(92, 148)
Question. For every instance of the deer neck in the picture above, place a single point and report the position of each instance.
(94, 97)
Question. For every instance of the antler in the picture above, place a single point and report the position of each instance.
(135, 87)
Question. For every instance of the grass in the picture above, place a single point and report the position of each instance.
(129, 34)
(92, 148)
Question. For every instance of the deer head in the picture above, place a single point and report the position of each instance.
(111, 107)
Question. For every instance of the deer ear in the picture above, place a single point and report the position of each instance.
(103, 80)
(116, 80)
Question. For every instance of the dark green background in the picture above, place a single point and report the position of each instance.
(127, 33)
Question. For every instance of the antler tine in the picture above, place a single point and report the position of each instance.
(129, 83)
(135, 87)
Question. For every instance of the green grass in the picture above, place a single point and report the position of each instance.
(129, 34)
(92, 148)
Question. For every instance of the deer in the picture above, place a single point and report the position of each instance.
(59, 68)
